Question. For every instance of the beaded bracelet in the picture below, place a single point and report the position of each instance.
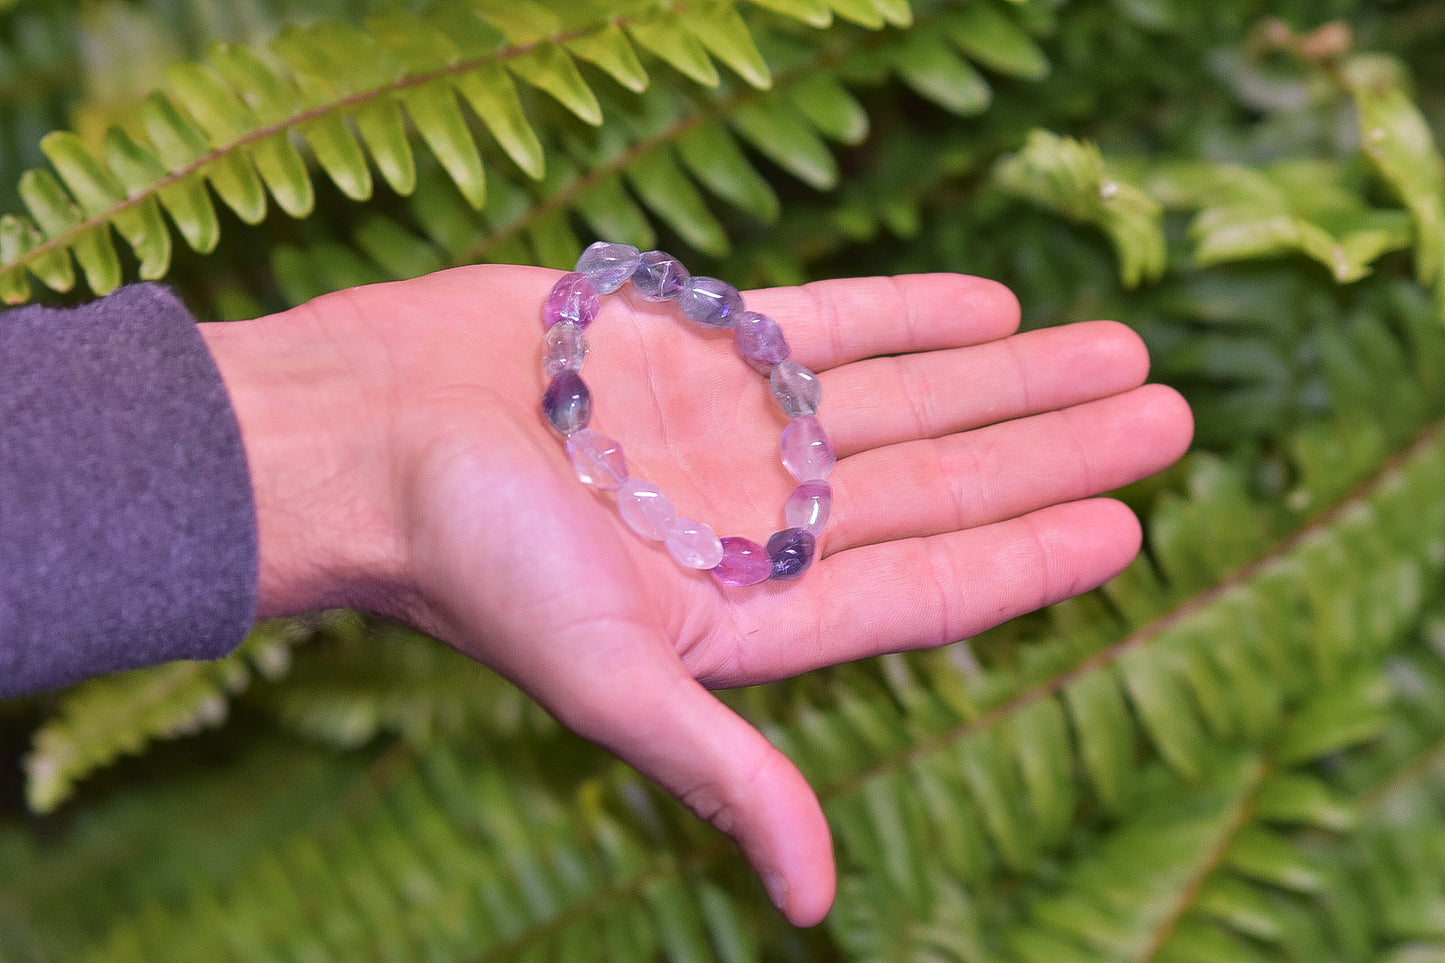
(598, 460)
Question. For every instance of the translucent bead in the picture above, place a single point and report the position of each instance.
(567, 403)
(791, 551)
(710, 302)
(808, 506)
(807, 453)
(744, 562)
(608, 265)
(566, 349)
(597, 459)
(797, 390)
(573, 298)
(694, 544)
(647, 511)
(761, 341)
(659, 276)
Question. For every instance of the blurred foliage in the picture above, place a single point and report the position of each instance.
(1235, 751)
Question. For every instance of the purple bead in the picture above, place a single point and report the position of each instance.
(565, 350)
(574, 299)
(710, 302)
(797, 390)
(659, 276)
(694, 544)
(647, 511)
(597, 459)
(744, 562)
(807, 453)
(761, 341)
(608, 265)
(808, 506)
(791, 551)
(567, 403)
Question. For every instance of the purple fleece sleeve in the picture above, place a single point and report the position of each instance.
(127, 527)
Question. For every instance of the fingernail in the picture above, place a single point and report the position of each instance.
(777, 888)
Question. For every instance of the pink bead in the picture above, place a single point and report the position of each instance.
(574, 299)
(597, 459)
(808, 506)
(647, 511)
(694, 544)
(744, 562)
(807, 453)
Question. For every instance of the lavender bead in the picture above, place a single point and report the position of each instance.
(659, 276)
(608, 265)
(791, 551)
(566, 349)
(797, 390)
(567, 403)
(647, 511)
(597, 459)
(694, 544)
(807, 453)
(744, 562)
(573, 298)
(761, 341)
(710, 302)
(808, 506)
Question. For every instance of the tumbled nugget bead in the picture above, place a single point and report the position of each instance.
(807, 453)
(808, 506)
(694, 544)
(659, 276)
(645, 509)
(761, 341)
(608, 265)
(597, 459)
(744, 562)
(791, 551)
(797, 390)
(566, 349)
(567, 403)
(573, 298)
(710, 302)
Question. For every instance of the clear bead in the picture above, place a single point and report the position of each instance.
(710, 302)
(645, 509)
(797, 390)
(808, 506)
(659, 276)
(573, 298)
(761, 341)
(744, 562)
(807, 453)
(566, 349)
(608, 265)
(597, 459)
(694, 544)
(567, 403)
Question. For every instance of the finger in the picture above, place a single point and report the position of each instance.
(829, 323)
(881, 401)
(654, 715)
(1002, 471)
(924, 592)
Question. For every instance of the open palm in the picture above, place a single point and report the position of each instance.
(968, 461)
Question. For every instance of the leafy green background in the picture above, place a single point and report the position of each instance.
(1234, 751)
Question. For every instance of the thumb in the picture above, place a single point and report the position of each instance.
(658, 718)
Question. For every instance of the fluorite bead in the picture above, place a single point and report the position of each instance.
(608, 265)
(791, 552)
(566, 349)
(760, 341)
(744, 562)
(710, 302)
(807, 453)
(797, 390)
(659, 276)
(647, 511)
(567, 403)
(808, 506)
(597, 459)
(694, 544)
(573, 298)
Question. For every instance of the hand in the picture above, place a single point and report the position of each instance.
(402, 465)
